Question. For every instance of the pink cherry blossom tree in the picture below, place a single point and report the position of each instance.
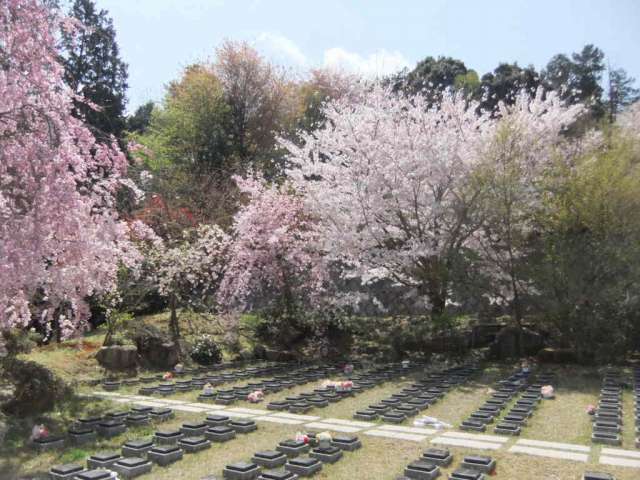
(276, 265)
(60, 237)
(389, 178)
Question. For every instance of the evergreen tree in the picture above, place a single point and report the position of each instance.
(140, 121)
(431, 77)
(95, 71)
(506, 82)
(578, 78)
(622, 93)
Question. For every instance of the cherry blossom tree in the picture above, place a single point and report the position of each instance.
(389, 178)
(519, 159)
(629, 120)
(275, 264)
(60, 237)
(189, 272)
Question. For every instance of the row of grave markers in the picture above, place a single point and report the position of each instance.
(138, 456)
(607, 418)
(217, 373)
(321, 397)
(168, 446)
(557, 450)
(411, 400)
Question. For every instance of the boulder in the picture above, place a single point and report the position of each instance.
(279, 356)
(118, 357)
(509, 338)
(260, 352)
(484, 334)
(245, 355)
(155, 349)
(557, 355)
(162, 355)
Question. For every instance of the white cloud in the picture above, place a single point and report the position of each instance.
(281, 48)
(379, 63)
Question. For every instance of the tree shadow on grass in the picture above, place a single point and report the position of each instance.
(19, 459)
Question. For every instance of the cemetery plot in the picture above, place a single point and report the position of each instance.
(204, 383)
(607, 418)
(504, 392)
(215, 373)
(360, 462)
(565, 419)
(432, 461)
(88, 430)
(293, 458)
(415, 398)
(332, 392)
(178, 451)
(526, 404)
(137, 457)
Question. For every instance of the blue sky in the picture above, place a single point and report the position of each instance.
(158, 38)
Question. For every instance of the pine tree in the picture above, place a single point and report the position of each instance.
(95, 71)
(622, 92)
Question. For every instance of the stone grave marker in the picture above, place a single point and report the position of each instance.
(90, 422)
(365, 414)
(328, 454)
(269, 459)
(81, 435)
(215, 420)
(136, 448)
(194, 444)
(278, 405)
(99, 474)
(300, 407)
(345, 442)
(65, 472)
(243, 425)
(193, 429)
(394, 416)
(111, 428)
(483, 417)
(132, 467)
(507, 428)
(167, 437)
(597, 476)
(165, 455)
(421, 470)
(138, 419)
(479, 463)
(606, 438)
(103, 460)
(303, 466)
(438, 456)
(220, 433)
(292, 448)
(161, 414)
(51, 442)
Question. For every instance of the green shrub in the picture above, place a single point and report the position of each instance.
(206, 351)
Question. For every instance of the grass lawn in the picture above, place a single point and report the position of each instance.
(562, 420)
(565, 419)
(379, 459)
